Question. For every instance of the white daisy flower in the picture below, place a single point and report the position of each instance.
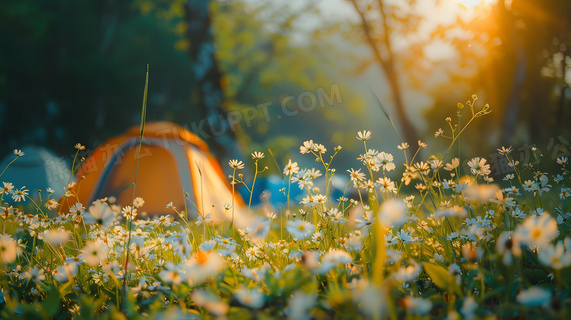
(300, 229)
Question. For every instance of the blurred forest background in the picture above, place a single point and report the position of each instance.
(73, 71)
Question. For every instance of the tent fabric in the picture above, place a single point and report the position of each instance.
(174, 166)
(38, 169)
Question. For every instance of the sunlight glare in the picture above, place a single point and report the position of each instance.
(469, 3)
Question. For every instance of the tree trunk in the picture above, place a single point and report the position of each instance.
(408, 130)
(207, 91)
(387, 64)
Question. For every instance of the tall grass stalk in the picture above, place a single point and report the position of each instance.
(17, 156)
(129, 222)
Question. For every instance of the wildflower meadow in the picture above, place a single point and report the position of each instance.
(434, 237)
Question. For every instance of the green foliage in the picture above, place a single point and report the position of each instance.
(442, 278)
(69, 67)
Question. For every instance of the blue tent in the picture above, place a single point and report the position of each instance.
(38, 169)
(275, 189)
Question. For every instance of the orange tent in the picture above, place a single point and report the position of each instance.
(174, 166)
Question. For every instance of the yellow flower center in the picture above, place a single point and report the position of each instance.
(535, 234)
(201, 257)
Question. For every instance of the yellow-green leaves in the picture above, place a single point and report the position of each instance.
(442, 278)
